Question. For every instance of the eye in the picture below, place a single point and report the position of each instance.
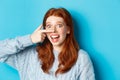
(59, 25)
(48, 26)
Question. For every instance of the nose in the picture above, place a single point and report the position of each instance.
(54, 29)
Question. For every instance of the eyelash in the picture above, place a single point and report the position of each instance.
(48, 26)
(58, 25)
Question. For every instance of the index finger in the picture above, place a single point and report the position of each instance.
(47, 31)
(40, 27)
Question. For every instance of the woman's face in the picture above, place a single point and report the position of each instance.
(60, 29)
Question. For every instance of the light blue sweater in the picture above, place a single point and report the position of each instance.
(20, 54)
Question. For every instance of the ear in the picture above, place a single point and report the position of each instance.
(68, 32)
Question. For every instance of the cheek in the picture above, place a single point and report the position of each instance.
(63, 32)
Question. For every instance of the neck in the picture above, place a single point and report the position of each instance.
(57, 48)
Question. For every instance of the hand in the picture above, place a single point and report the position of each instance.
(39, 34)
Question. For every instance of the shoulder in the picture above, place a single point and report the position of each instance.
(84, 66)
(83, 57)
(83, 54)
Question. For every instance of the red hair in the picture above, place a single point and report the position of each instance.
(69, 53)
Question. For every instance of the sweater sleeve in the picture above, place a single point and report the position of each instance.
(13, 46)
(86, 71)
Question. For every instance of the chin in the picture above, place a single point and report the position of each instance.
(55, 44)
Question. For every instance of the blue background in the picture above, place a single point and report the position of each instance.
(97, 27)
(8, 73)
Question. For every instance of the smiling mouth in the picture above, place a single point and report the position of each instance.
(54, 38)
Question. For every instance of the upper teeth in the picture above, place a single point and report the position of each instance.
(54, 36)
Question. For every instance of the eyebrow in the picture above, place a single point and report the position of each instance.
(57, 22)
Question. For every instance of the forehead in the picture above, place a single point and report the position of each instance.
(55, 19)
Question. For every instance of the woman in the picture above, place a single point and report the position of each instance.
(57, 55)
